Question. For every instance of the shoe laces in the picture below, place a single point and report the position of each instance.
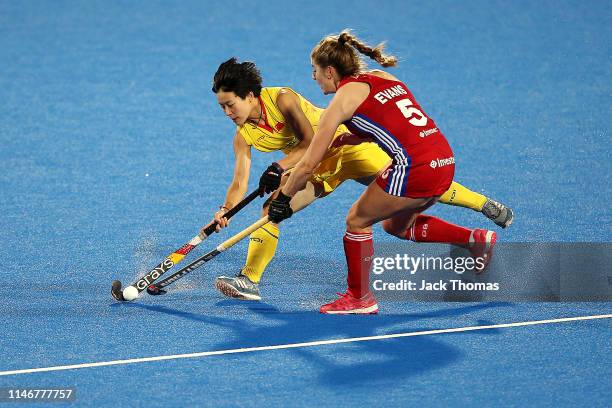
(342, 298)
(346, 297)
(244, 281)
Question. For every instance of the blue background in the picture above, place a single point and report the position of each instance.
(114, 153)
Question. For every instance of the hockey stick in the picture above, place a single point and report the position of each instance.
(157, 288)
(131, 292)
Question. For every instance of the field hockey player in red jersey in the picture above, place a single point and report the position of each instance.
(376, 106)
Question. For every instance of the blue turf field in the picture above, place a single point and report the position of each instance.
(115, 152)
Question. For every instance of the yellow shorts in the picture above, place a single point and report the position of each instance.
(349, 163)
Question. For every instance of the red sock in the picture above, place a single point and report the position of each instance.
(431, 229)
(358, 249)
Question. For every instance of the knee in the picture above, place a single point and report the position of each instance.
(393, 228)
(351, 220)
(354, 223)
(398, 226)
(264, 209)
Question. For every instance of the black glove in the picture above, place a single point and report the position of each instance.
(279, 208)
(270, 179)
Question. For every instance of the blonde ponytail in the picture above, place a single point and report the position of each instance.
(339, 51)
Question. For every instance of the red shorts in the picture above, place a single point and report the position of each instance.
(429, 173)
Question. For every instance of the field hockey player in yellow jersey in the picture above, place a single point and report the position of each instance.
(278, 118)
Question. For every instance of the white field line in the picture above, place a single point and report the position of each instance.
(298, 345)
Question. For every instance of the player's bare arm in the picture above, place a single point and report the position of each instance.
(340, 109)
(240, 180)
(289, 105)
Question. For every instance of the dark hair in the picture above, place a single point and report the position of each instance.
(237, 77)
(340, 52)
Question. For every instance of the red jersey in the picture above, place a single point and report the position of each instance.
(391, 116)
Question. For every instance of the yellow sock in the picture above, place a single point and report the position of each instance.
(463, 197)
(262, 246)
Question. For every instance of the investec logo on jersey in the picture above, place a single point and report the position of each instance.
(442, 162)
(154, 274)
(390, 93)
(426, 133)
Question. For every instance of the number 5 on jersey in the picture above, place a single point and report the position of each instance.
(415, 117)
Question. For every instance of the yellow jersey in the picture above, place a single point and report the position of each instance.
(275, 134)
(339, 164)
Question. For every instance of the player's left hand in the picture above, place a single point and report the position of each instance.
(279, 208)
